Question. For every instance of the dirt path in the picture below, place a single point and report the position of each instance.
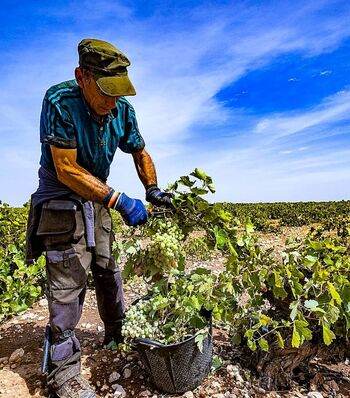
(21, 378)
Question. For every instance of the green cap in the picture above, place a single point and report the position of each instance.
(108, 66)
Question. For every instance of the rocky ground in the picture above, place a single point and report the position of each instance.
(117, 374)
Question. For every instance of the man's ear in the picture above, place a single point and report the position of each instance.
(79, 77)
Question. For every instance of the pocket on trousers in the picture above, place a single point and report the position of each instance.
(58, 223)
(64, 269)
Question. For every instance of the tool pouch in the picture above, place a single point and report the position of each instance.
(57, 223)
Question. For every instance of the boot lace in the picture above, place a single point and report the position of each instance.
(76, 384)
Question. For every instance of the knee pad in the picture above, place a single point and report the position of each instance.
(65, 346)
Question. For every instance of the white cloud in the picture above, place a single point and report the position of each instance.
(336, 108)
(325, 72)
(286, 152)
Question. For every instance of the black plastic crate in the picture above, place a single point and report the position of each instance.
(179, 367)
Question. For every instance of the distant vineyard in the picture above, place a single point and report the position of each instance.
(272, 216)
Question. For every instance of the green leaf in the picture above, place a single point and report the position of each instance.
(202, 205)
(127, 271)
(280, 292)
(328, 335)
(335, 295)
(220, 237)
(216, 363)
(195, 303)
(199, 191)
(333, 313)
(265, 320)
(251, 344)
(229, 287)
(297, 288)
(278, 279)
(131, 249)
(186, 181)
(319, 311)
(311, 304)
(211, 188)
(34, 291)
(294, 307)
(301, 332)
(225, 216)
(20, 307)
(309, 260)
(41, 261)
(249, 228)
(296, 339)
(316, 245)
(199, 174)
(280, 340)
(201, 271)
(232, 250)
(236, 339)
(199, 340)
(264, 345)
(197, 322)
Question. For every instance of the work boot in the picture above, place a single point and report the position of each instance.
(76, 387)
(113, 334)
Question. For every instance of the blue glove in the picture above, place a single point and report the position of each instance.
(158, 198)
(132, 210)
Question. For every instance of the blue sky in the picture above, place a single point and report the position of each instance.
(256, 93)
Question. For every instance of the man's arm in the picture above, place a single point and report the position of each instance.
(76, 177)
(145, 168)
(89, 187)
(147, 174)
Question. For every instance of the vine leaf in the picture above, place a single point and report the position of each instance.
(301, 332)
(335, 295)
(280, 340)
(311, 304)
(264, 345)
(328, 335)
(309, 260)
(199, 339)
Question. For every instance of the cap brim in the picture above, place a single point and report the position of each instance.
(116, 86)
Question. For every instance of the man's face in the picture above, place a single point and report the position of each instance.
(99, 103)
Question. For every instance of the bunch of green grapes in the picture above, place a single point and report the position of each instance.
(138, 325)
(165, 248)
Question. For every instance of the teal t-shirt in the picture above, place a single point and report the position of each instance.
(67, 122)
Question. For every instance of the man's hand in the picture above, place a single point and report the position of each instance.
(132, 210)
(158, 198)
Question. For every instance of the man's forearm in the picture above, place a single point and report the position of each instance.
(78, 179)
(145, 168)
(86, 185)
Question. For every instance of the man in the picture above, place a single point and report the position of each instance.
(83, 122)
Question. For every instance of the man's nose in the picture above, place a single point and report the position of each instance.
(111, 101)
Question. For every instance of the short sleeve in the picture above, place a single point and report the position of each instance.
(132, 140)
(55, 126)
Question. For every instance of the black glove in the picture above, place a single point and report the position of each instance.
(158, 198)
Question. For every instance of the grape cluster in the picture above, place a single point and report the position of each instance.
(137, 323)
(165, 247)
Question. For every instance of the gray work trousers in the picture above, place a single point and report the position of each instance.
(68, 261)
